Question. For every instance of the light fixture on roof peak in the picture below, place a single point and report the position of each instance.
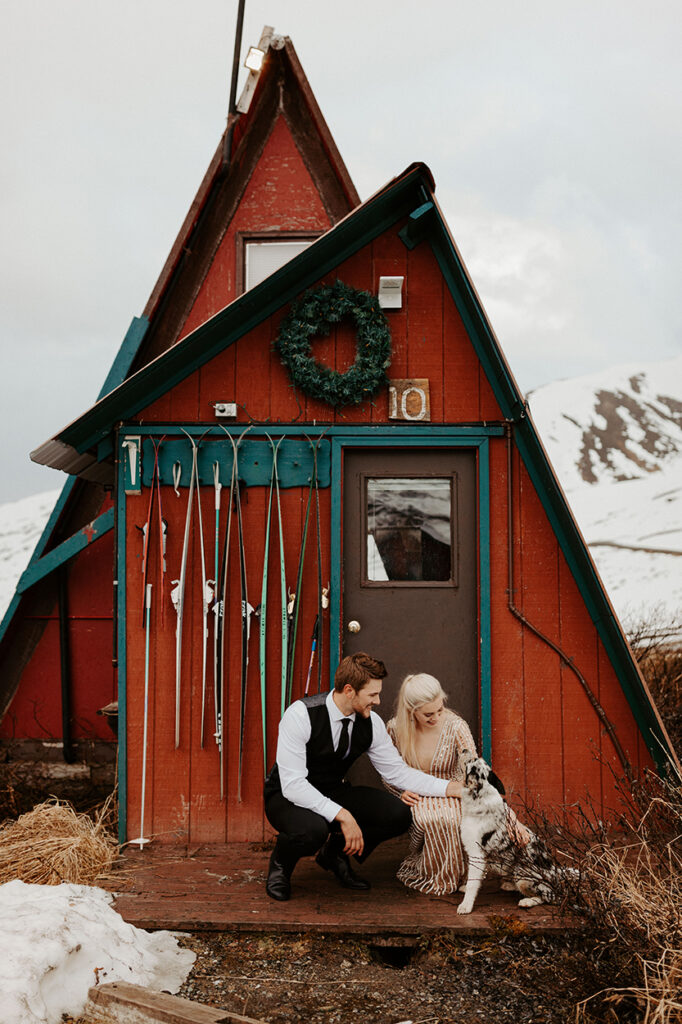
(254, 58)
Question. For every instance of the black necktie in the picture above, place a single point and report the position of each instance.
(344, 740)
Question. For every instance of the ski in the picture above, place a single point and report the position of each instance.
(217, 488)
(141, 840)
(294, 603)
(221, 613)
(318, 631)
(220, 608)
(284, 607)
(178, 591)
(247, 612)
(262, 618)
(206, 588)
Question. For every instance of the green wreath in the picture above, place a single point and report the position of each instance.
(313, 316)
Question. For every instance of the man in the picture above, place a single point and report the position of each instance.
(307, 798)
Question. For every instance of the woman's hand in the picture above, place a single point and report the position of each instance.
(455, 788)
(410, 798)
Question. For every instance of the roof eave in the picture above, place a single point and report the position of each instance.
(235, 320)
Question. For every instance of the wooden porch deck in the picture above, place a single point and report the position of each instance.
(222, 888)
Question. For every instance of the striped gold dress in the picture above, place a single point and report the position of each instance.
(436, 862)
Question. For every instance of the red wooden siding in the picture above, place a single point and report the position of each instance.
(280, 196)
(35, 712)
(546, 738)
(183, 794)
(429, 340)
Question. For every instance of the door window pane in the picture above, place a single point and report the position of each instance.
(409, 529)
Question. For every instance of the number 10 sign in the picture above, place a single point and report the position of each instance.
(409, 400)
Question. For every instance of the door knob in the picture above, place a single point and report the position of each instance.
(354, 626)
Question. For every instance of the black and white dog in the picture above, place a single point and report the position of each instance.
(487, 831)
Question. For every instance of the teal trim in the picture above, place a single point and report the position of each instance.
(40, 568)
(370, 437)
(295, 461)
(170, 430)
(417, 225)
(477, 327)
(484, 597)
(121, 653)
(125, 356)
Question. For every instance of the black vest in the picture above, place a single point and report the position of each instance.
(325, 768)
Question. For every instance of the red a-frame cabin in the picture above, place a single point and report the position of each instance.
(444, 538)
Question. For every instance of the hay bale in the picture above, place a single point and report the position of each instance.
(53, 844)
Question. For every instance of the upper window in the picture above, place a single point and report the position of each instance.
(264, 256)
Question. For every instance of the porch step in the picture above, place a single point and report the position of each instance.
(121, 1003)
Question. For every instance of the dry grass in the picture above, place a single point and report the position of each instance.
(657, 645)
(632, 895)
(656, 1001)
(53, 844)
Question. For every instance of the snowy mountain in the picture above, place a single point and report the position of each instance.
(615, 441)
(21, 524)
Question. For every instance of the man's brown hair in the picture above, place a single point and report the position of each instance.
(356, 670)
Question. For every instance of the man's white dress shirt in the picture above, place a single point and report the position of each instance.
(294, 733)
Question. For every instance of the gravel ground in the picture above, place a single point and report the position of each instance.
(509, 975)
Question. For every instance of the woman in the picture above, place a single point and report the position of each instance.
(431, 737)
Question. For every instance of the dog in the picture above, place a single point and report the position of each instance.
(487, 832)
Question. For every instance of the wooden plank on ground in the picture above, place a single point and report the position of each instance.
(119, 1002)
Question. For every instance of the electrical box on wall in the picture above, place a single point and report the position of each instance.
(225, 410)
(391, 292)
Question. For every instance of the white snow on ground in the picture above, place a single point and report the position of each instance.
(21, 524)
(57, 941)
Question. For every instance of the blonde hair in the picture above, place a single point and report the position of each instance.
(416, 690)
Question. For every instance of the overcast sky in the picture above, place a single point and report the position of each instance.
(552, 128)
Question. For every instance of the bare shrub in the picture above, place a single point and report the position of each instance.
(632, 894)
(656, 643)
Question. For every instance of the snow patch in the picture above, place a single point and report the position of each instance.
(58, 941)
(21, 524)
(630, 513)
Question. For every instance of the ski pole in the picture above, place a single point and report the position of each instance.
(141, 840)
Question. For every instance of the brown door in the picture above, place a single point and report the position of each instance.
(410, 568)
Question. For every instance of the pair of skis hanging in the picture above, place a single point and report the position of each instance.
(215, 592)
(291, 601)
(214, 598)
(178, 592)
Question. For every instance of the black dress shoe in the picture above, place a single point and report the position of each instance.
(332, 860)
(278, 886)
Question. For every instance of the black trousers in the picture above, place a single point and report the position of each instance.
(379, 814)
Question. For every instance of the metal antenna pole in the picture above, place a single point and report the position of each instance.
(232, 109)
